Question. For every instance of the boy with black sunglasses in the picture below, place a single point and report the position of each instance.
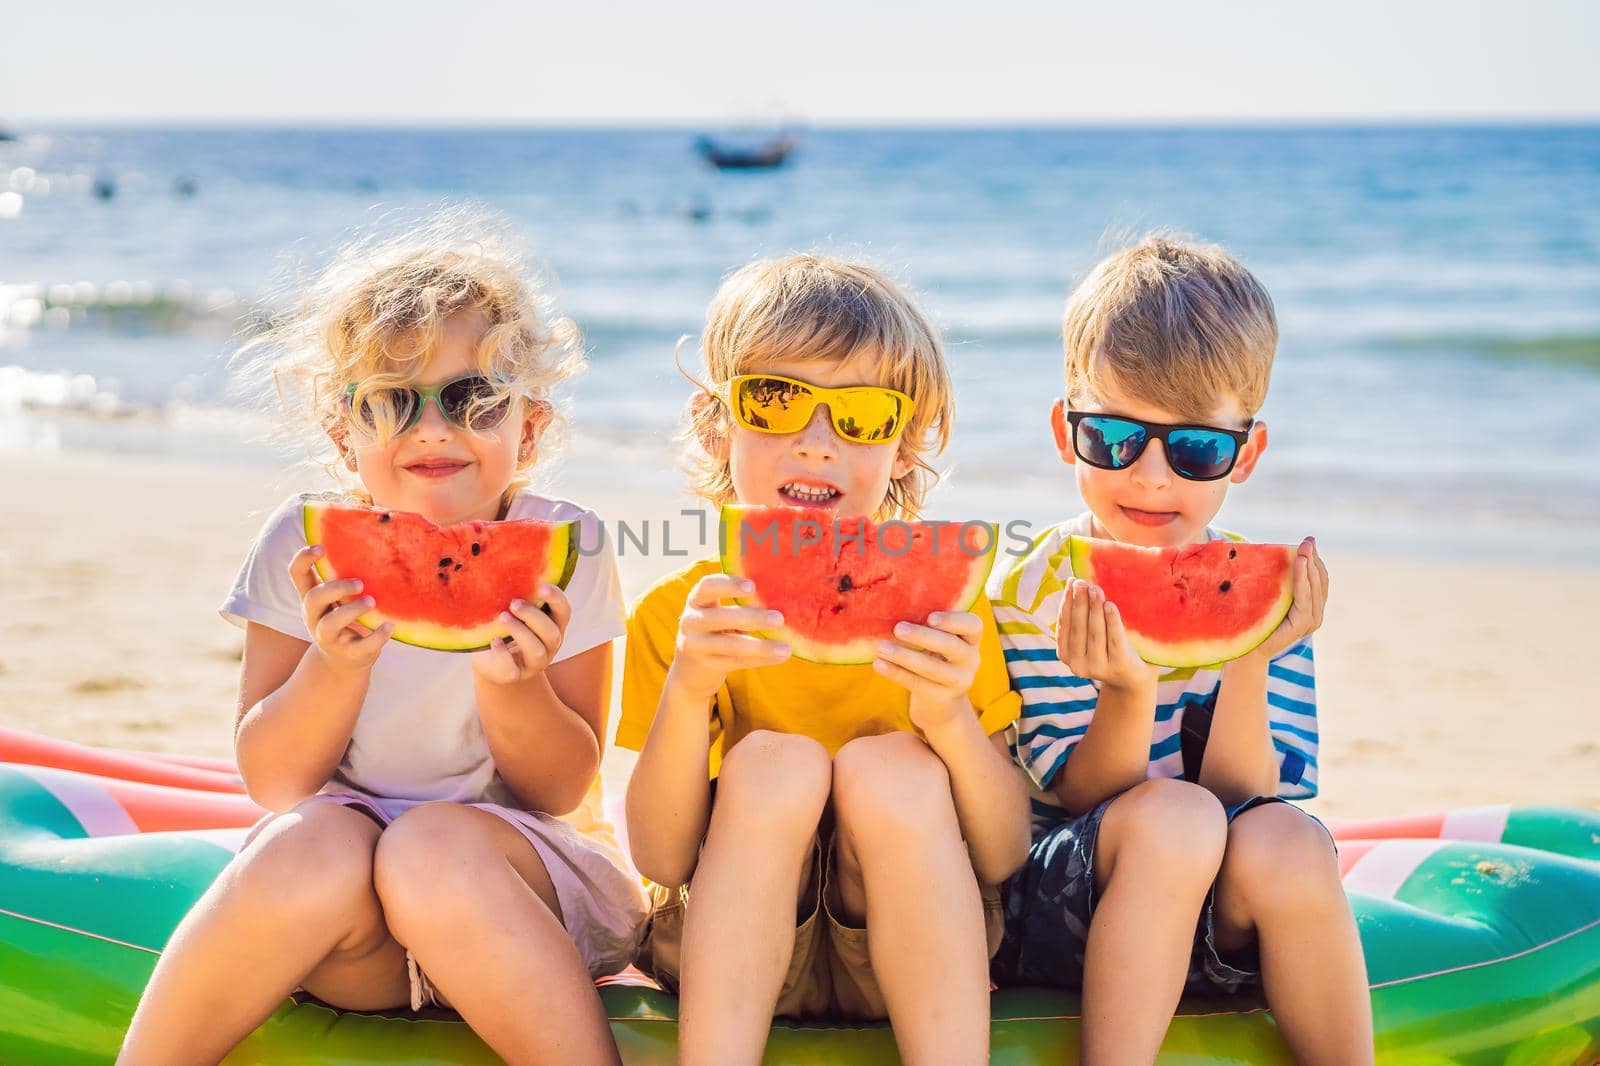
(1165, 857)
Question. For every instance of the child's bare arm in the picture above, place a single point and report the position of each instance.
(1240, 760)
(937, 663)
(1114, 754)
(298, 702)
(543, 722)
(991, 797)
(669, 796)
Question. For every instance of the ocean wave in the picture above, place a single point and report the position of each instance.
(121, 306)
(1578, 349)
(22, 389)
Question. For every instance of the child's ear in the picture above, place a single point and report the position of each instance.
(534, 422)
(903, 465)
(711, 440)
(1058, 428)
(1250, 454)
(339, 432)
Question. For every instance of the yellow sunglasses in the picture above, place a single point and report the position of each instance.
(863, 414)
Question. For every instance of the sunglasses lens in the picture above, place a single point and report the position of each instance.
(1200, 454)
(472, 403)
(868, 416)
(773, 404)
(1110, 443)
(383, 411)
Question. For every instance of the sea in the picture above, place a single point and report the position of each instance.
(1437, 385)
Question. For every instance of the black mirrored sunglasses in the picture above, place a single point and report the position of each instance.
(1196, 453)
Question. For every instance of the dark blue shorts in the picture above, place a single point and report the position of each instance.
(1050, 902)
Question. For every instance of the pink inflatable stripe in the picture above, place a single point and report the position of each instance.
(1384, 868)
(1486, 824)
(95, 809)
(33, 749)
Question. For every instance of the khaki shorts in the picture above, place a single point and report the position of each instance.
(830, 972)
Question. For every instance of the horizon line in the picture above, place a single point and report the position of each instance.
(21, 125)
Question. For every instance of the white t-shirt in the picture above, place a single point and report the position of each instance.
(418, 736)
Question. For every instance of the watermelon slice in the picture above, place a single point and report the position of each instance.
(1198, 605)
(843, 583)
(444, 588)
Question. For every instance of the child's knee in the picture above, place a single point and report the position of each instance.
(894, 784)
(316, 858)
(428, 851)
(1279, 856)
(434, 867)
(779, 778)
(1163, 826)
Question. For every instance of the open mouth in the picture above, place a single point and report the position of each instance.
(808, 493)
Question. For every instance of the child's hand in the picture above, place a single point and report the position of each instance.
(935, 663)
(1305, 613)
(535, 639)
(715, 639)
(1092, 642)
(343, 642)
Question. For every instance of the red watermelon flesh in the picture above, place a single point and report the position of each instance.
(843, 583)
(443, 587)
(1197, 605)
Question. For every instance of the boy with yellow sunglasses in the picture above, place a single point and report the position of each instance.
(808, 803)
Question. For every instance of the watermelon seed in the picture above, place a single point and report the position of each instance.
(385, 516)
(458, 566)
(1225, 586)
(1233, 553)
(445, 562)
(845, 584)
(476, 547)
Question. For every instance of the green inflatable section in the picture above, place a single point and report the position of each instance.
(1486, 953)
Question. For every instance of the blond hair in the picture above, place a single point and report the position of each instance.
(1178, 325)
(816, 308)
(376, 315)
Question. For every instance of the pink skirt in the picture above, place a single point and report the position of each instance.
(603, 905)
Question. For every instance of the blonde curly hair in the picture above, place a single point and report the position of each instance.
(812, 307)
(375, 316)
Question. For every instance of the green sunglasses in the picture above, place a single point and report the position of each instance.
(470, 401)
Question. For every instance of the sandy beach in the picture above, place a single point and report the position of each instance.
(1440, 684)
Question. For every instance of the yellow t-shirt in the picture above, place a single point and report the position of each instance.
(831, 704)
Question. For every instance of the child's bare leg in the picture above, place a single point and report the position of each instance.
(296, 907)
(1158, 851)
(467, 893)
(1279, 885)
(738, 932)
(904, 872)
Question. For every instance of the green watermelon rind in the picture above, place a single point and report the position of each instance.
(427, 634)
(848, 653)
(1197, 654)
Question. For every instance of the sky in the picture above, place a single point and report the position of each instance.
(820, 61)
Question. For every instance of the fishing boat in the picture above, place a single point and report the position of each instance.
(730, 155)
